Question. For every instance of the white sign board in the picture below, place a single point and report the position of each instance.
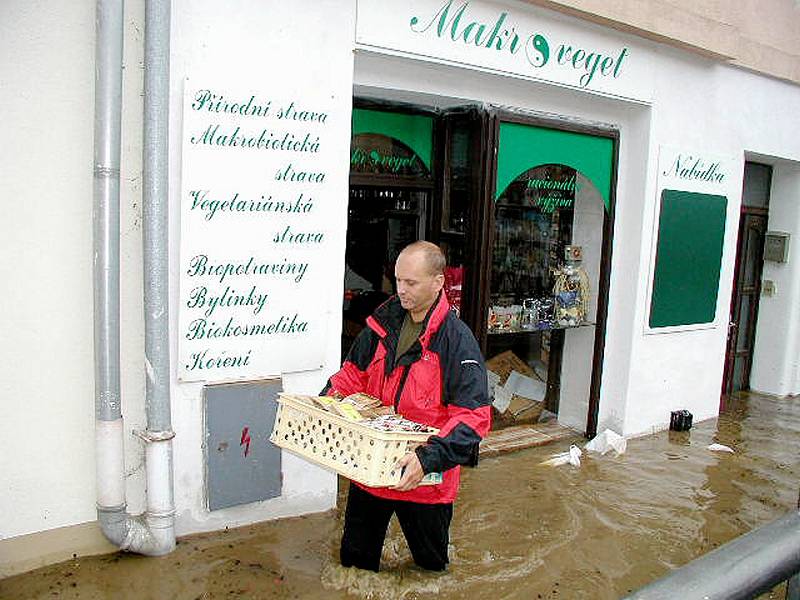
(511, 39)
(698, 173)
(692, 171)
(258, 214)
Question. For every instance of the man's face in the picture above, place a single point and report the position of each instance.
(416, 287)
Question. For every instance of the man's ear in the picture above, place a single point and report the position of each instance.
(439, 281)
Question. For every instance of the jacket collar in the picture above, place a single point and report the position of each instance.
(387, 320)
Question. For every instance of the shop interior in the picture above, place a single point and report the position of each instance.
(526, 263)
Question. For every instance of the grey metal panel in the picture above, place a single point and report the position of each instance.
(242, 465)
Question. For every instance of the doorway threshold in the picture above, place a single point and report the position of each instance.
(519, 437)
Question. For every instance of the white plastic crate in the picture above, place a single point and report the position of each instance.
(351, 449)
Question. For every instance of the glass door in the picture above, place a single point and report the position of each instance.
(457, 221)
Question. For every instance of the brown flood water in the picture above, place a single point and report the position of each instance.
(520, 530)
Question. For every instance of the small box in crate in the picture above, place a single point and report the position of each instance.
(348, 447)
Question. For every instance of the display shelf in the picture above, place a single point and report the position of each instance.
(517, 331)
(401, 213)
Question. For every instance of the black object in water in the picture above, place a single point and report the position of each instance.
(680, 420)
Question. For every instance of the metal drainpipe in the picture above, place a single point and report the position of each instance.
(155, 219)
(152, 533)
(111, 507)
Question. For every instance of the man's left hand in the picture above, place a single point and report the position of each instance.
(412, 472)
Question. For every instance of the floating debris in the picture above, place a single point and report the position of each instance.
(608, 440)
(573, 457)
(720, 448)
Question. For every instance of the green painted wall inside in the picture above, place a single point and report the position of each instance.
(415, 131)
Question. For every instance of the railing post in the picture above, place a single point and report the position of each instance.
(793, 588)
(793, 585)
(742, 569)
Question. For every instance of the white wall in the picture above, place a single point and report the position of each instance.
(776, 358)
(47, 372)
(728, 112)
(46, 366)
(265, 45)
(46, 359)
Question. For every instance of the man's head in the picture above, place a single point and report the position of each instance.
(419, 272)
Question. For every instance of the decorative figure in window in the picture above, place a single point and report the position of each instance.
(571, 290)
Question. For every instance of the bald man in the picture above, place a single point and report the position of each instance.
(417, 356)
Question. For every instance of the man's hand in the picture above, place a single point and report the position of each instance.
(412, 473)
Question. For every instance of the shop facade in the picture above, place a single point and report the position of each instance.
(309, 143)
(510, 198)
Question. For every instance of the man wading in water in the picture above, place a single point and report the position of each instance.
(416, 355)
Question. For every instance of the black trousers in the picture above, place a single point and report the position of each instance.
(366, 519)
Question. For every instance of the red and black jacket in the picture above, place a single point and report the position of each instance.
(440, 381)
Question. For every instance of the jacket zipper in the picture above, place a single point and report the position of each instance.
(403, 378)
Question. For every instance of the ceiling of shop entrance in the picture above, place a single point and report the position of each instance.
(408, 97)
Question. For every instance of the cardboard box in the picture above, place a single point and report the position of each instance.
(502, 364)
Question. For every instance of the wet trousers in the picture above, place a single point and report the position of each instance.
(426, 527)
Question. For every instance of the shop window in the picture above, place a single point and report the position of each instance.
(544, 278)
(377, 154)
(550, 222)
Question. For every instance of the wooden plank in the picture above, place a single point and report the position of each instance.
(523, 436)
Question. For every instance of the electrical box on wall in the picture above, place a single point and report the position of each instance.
(242, 465)
(776, 246)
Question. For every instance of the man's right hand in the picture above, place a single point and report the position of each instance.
(412, 472)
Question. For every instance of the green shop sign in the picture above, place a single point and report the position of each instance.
(536, 49)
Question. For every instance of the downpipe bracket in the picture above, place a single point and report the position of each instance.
(106, 172)
(150, 437)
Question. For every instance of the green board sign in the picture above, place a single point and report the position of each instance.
(691, 231)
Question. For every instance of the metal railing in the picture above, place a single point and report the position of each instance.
(743, 568)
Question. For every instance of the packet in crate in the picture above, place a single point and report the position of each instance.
(338, 434)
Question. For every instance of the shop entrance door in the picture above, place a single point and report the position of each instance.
(391, 191)
(523, 208)
(747, 278)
